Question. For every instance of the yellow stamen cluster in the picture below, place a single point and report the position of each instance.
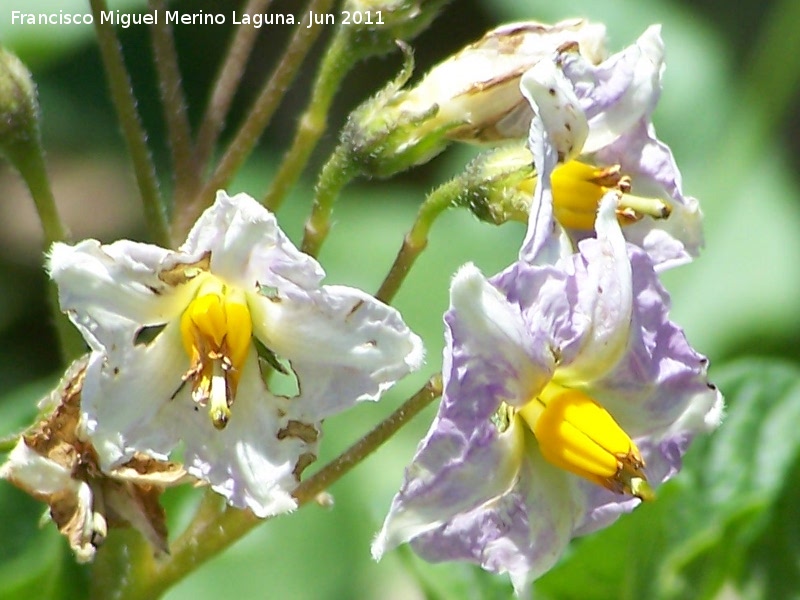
(216, 329)
(579, 187)
(575, 433)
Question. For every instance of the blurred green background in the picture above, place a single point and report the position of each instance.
(725, 528)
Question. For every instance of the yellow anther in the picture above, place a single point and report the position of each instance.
(216, 329)
(575, 433)
(579, 187)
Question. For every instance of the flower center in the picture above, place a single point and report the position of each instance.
(575, 433)
(216, 329)
(578, 189)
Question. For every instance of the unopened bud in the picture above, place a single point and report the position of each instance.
(498, 185)
(19, 110)
(378, 23)
(473, 96)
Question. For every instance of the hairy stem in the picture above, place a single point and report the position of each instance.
(226, 84)
(337, 62)
(337, 173)
(209, 537)
(132, 130)
(257, 119)
(416, 240)
(173, 103)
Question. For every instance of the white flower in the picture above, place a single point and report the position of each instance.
(172, 332)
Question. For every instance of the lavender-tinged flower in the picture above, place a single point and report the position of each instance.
(608, 142)
(568, 396)
(172, 332)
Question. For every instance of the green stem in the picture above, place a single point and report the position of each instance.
(123, 566)
(337, 173)
(199, 544)
(28, 158)
(133, 132)
(339, 58)
(416, 240)
(173, 103)
(257, 119)
(226, 84)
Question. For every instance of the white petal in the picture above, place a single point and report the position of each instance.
(37, 474)
(250, 462)
(343, 344)
(553, 99)
(128, 397)
(247, 246)
(114, 290)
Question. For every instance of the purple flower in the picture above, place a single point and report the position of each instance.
(568, 396)
(599, 118)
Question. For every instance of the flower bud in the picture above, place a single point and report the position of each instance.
(473, 96)
(19, 110)
(378, 23)
(498, 185)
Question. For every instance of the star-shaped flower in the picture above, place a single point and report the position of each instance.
(568, 396)
(599, 119)
(183, 342)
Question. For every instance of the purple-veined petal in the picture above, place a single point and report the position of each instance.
(620, 91)
(669, 242)
(522, 533)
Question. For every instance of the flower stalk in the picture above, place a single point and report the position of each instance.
(226, 84)
(258, 117)
(336, 63)
(416, 240)
(173, 102)
(206, 537)
(133, 132)
(337, 173)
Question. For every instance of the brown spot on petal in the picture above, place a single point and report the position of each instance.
(181, 273)
(298, 429)
(303, 462)
(355, 308)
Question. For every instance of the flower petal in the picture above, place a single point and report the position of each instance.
(343, 344)
(619, 92)
(489, 336)
(247, 246)
(523, 532)
(453, 471)
(252, 461)
(661, 384)
(112, 291)
(558, 131)
(669, 242)
(129, 394)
